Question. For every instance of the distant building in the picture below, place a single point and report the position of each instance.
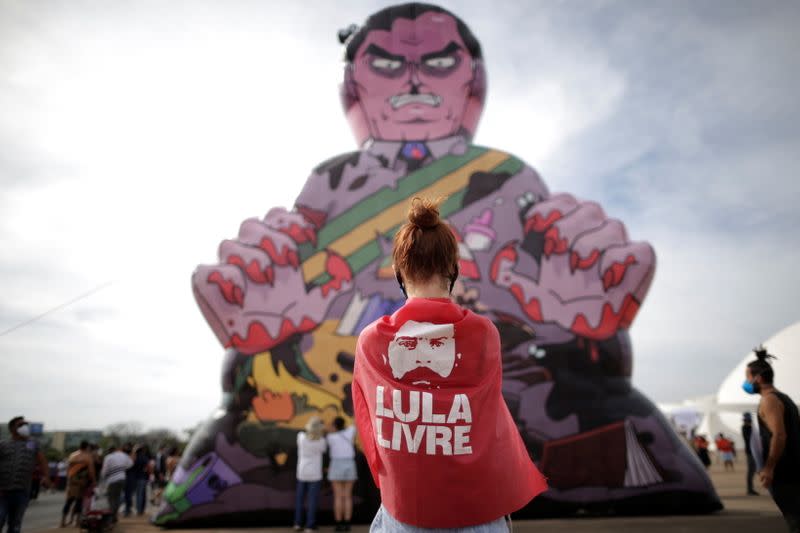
(58, 440)
(785, 345)
(37, 430)
(68, 440)
(722, 412)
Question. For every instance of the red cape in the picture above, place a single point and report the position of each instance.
(440, 442)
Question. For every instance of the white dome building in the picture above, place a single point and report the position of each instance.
(724, 411)
(785, 345)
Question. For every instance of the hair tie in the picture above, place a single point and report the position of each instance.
(346, 33)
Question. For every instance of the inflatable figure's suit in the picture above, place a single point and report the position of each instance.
(561, 281)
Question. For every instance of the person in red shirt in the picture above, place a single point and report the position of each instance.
(440, 442)
(701, 447)
(725, 449)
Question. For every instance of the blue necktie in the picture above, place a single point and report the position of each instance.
(413, 153)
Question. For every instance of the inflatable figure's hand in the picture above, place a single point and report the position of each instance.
(256, 298)
(591, 279)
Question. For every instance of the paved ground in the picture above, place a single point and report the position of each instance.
(43, 512)
(742, 513)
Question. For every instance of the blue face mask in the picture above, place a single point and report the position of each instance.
(750, 387)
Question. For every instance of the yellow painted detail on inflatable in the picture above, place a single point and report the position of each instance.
(396, 214)
(323, 399)
(269, 382)
(321, 357)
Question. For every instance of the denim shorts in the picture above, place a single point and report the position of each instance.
(385, 523)
(342, 470)
(726, 456)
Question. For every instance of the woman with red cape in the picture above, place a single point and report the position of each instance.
(440, 441)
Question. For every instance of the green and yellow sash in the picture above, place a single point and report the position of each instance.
(352, 234)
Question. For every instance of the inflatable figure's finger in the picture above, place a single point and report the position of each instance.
(543, 214)
(281, 248)
(587, 217)
(254, 262)
(628, 268)
(293, 224)
(589, 246)
(525, 289)
(219, 291)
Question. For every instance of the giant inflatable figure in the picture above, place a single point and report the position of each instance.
(559, 278)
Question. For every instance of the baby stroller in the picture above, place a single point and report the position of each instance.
(96, 516)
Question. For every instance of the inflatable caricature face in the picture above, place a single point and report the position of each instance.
(558, 277)
(416, 75)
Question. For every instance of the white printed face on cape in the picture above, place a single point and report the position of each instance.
(423, 345)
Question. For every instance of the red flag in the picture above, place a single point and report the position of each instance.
(440, 442)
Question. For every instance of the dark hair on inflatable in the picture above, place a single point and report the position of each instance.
(425, 245)
(353, 36)
(761, 366)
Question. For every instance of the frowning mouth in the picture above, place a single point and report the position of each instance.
(399, 100)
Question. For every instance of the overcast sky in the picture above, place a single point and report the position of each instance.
(134, 136)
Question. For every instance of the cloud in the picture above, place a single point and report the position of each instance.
(700, 159)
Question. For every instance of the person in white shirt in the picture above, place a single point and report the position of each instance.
(115, 464)
(61, 475)
(310, 447)
(342, 471)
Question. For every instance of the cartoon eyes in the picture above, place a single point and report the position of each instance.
(388, 65)
(440, 63)
(435, 66)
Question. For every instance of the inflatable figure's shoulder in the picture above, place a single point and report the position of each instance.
(334, 168)
(506, 168)
(343, 177)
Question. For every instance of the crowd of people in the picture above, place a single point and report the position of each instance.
(121, 474)
(726, 450)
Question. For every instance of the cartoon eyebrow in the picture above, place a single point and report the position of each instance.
(376, 50)
(446, 51)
